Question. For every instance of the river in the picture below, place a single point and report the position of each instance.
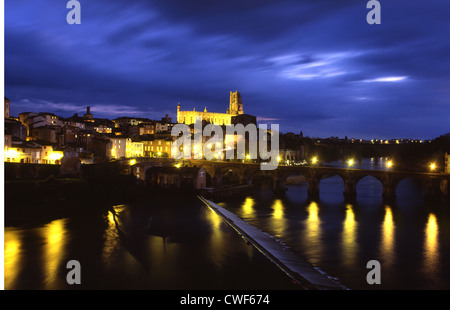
(410, 238)
(174, 242)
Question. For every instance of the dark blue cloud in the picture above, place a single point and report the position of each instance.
(315, 66)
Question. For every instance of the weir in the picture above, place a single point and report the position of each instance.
(301, 273)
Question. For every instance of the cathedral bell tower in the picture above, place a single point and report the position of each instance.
(236, 106)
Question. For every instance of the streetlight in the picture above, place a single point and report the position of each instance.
(432, 166)
(314, 160)
(350, 162)
(389, 164)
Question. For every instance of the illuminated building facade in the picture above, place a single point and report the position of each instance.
(33, 153)
(118, 147)
(191, 117)
(134, 149)
(157, 147)
(122, 147)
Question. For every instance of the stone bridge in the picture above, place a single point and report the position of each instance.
(435, 185)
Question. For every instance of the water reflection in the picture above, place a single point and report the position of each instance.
(349, 233)
(431, 246)
(12, 257)
(247, 207)
(277, 209)
(54, 235)
(217, 244)
(110, 239)
(387, 238)
(278, 221)
(312, 234)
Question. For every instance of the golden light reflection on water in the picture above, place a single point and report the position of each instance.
(349, 232)
(277, 209)
(215, 220)
(110, 239)
(217, 243)
(313, 221)
(247, 207)
(12, 257)
(54, 235)
(278, 220)
(387, 244)
(431, 246)
(312, 239)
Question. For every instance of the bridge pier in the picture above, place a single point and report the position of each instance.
(217, 179)
(278, 186)
(313, 188)
(432, 189)
(445, 189)
(349, 190)
(389, 192)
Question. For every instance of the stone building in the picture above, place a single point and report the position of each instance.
(191, 117)
(157, 146)
(7, 107)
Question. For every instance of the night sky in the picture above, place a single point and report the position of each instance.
(313, 65)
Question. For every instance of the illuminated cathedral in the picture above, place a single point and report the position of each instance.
(191, 117)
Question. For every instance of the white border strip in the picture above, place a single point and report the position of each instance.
(2, 141)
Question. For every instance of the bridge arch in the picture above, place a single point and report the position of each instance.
(289, 177)
(329, 175)
(259, 176)
(209, 170)
(229, 174)
(369, 186)
(407, 185)
(369, 176)
(331, 187)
